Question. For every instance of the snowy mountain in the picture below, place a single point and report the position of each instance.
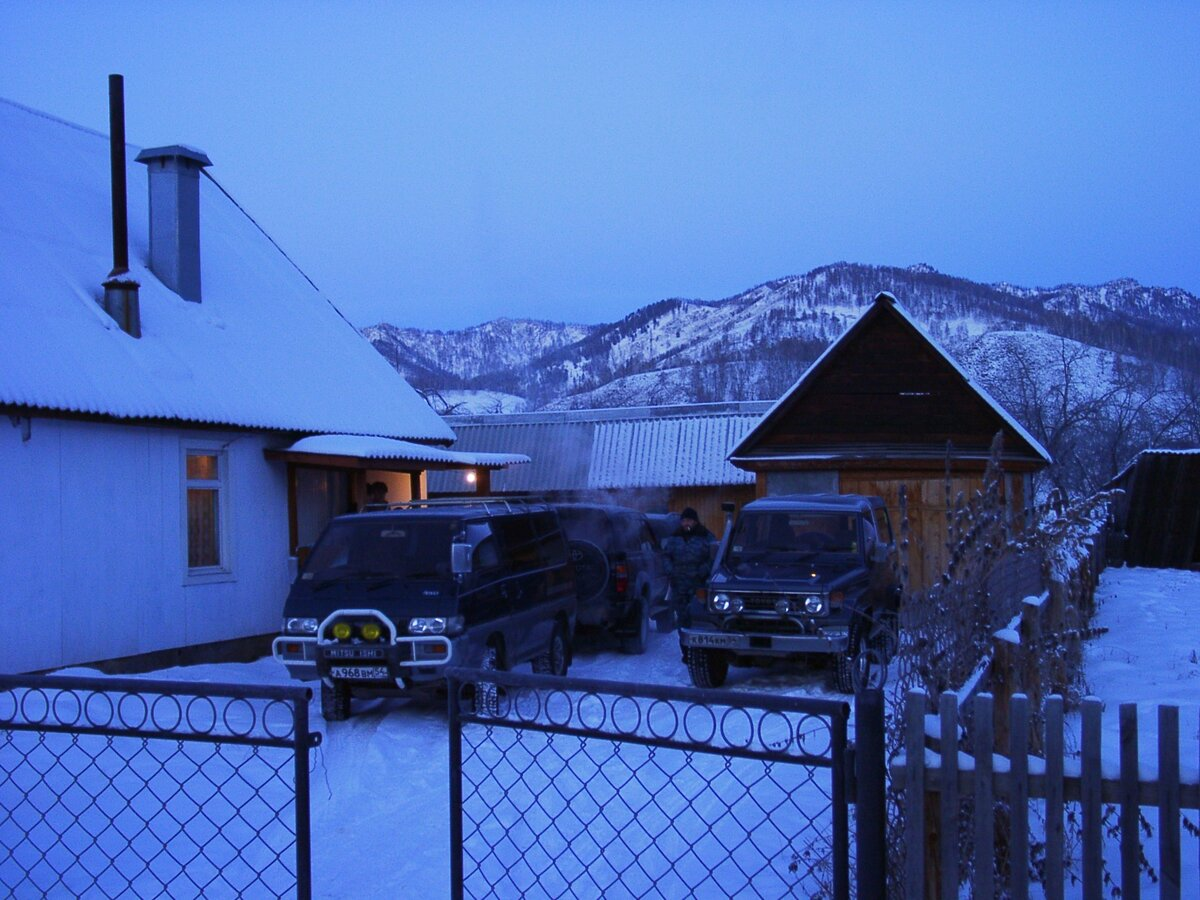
(754, 345)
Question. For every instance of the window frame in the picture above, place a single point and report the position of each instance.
(223, 571)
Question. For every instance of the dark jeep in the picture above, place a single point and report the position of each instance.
(619, 569)
(797, 575)
(388, 598)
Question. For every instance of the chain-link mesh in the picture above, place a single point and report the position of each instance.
(595, 789)
(130, 788)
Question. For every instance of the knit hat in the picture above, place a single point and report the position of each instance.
(689, 513)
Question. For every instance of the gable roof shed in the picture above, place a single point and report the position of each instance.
(885, 395)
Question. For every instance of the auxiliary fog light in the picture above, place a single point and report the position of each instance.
(341, 631)
(427, 625)
(814, 605)
(783, 606)
(371, 631)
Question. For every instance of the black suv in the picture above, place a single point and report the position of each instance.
(388, 598)
(796, 575)
(619, 569)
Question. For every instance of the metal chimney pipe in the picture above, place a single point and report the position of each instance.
(120, 214)
(120, 291)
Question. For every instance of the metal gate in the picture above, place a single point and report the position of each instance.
(129, 787)
(565, 786)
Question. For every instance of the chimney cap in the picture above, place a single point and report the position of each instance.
(174, 151)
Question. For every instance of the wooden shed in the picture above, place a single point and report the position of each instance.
(1156, 517)
(883, 407)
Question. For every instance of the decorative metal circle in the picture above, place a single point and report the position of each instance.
(127, 709)
(814, 736)
(729, 718)
(586, 718)
(60, 715)
(775, 732)
(8, 706)
(165, 713)
(698, 737)
(653, 713)
(558, 701)
(195, 709)
(229, 724)
(630, 722)
(277, 719)
(528, 705)
(35, 700)
(98, 709)
(504, 702)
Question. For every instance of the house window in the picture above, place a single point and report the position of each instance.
(206, 498)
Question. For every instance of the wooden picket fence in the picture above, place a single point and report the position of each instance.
(1076, 793)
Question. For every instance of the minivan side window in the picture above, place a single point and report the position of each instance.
(552, 545)
(519, 541)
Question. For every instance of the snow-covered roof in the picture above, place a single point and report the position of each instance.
(263, 350)
(604, 449)
(817, 364)
(377, 448)
(1182, 451)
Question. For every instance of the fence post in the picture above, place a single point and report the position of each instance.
(1168, 801)
(871, 797)
(984, 887)
(303, 742)
(914, 794)
(456, 793)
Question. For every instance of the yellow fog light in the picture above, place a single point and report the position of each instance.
(371, 631)
(341, 630)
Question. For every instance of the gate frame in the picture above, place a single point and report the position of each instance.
(300, 739)
(840, 757)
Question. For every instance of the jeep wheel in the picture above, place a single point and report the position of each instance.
(861, 667)
(885, 636)
(335, 702)
(557, 656)
(639, 621)
(708, 668)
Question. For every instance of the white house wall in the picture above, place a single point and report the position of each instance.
(93, 547)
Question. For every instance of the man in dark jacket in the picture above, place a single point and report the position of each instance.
(689, 559)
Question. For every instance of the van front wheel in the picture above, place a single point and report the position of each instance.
(335, 701)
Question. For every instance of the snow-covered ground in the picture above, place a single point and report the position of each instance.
(380, 797)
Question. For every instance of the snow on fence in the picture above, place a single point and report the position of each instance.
(130, 787)
(604, 789)
(1097, 825)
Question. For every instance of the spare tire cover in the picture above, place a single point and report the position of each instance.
(591, 569)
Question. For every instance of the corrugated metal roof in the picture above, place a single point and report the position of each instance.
(659, 446)
(264, 350)
(361, 447)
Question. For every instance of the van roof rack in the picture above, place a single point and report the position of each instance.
(488, 504)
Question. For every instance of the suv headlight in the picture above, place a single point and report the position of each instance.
(724, 603)
(299, 625)
(435, 625)
(814, 605)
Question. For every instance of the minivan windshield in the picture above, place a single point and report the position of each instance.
(786, 538)
(377, 547)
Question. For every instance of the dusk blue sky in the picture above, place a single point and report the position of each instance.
(443, 164)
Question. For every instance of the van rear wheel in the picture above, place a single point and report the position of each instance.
(639, 621)
(557, 656)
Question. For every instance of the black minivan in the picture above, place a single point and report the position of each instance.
(387, 599)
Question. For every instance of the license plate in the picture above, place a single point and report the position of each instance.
(714, 640)
(359, 673)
